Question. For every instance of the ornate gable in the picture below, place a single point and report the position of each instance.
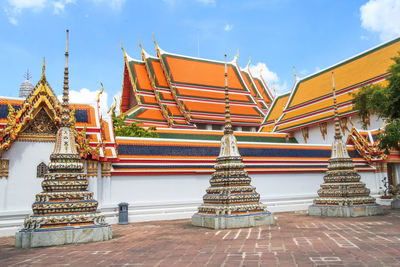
(38, 114)
(41, 128)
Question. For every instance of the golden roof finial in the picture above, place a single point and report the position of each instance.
(101, 91)
(294, 72)
(237, 56)
(273, 87)
(141, 47)
(122, 48)
(154, 41)
(248, 64)
(112, 109)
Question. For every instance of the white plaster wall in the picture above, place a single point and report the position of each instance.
(148, 190)
(22, 184)
(315, 136)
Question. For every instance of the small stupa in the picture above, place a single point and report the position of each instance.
(230, 201)
(26, 86)
(65, 212)
(342, 194)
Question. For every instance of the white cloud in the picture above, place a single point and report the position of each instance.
(59, 6)
(207, 2)
(270, 77)
(114, 4)
(21, 4)
(383, 17)
(14, 8)
(228, 27)
(86, 96)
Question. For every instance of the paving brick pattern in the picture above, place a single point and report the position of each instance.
(295, 240)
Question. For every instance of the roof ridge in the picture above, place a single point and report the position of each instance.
(365, 52)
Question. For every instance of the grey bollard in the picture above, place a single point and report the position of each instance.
(123, 213)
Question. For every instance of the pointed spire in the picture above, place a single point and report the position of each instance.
(101, 91)
(122, 48)
(157, 47)
(295, 74)
(228, 123)
(43, 78)
(338, 135)
(65, 117)
(237, 56)
(142, 50)
(27, 75)
(248, 63)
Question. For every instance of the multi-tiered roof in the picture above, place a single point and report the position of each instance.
(178, 91)
(310, 101)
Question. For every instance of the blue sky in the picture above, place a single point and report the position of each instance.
(309, 35)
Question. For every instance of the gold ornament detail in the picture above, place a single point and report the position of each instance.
(4, 168)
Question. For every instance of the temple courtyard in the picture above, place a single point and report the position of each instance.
(295, 240)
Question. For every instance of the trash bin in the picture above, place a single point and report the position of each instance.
(123, 213)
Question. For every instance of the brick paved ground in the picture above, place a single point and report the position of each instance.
(295, 240)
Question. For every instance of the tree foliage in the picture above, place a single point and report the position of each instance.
(132, 130)
(385, 102)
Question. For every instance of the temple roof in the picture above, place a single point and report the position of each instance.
(275, 112)
(199, 86)
(311, 102)
(18, 114)
(189, 91)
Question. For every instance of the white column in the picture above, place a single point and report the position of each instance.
(3, 193)
(106, 190)
(396, 168)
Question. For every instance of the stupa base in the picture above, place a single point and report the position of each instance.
(62, 236)
(395, 203)
(232, 221)
(345, 211)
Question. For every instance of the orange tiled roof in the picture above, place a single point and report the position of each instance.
(198, 88)
(311, 100)
(138, 95)
(275, 112)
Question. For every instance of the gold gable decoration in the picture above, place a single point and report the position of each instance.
(41, 129)
(304, 132)
(370, 152)
(323, 128)
(83, 147)
(343, 125)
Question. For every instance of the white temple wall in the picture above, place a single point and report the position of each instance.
(17, 192)
(22, 183)
(150, 197)
(315, 136)
(178, 196)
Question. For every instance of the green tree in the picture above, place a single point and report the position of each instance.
(133, 130)
(385, 102)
